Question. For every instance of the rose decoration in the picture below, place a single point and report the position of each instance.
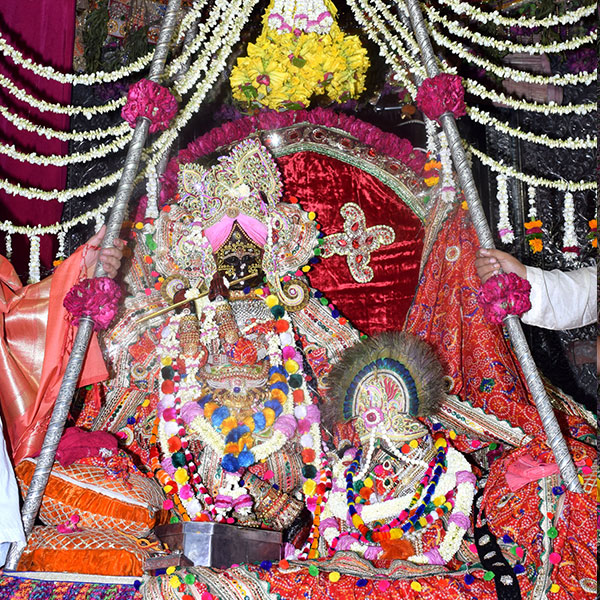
(97, 298)
(504, 294)
(148, 99)
(441, 94)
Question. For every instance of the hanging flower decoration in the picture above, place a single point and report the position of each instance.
(533, 235)
(504, 294)
(150, 100)
(592, 235)
(97, 298)
(441, 94)
(293, 62)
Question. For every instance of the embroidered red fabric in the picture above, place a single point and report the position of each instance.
(323, 184)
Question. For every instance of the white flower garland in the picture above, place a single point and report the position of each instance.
(476, 88)
(34, 258)
(70, 159)
(69, 109)
(448, 182)
(77, 136)
(456, 28)
(302, 15)
(8, 245)
(531, 197)
(498, 167)
(506, 72)
(472, 12)
(570, 236)
(484, 118)
(505, 230)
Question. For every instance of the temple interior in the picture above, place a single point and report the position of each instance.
(299, 300)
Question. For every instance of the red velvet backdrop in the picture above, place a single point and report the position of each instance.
(323, 185)
(43, 31)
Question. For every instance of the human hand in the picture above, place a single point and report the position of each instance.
(110, 258)
(489, 262)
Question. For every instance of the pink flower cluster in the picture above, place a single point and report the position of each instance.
(148, 99)
(97, 298)
(441, 94)
(234, 131)
(504, 294)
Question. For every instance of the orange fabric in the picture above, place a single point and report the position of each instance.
(35, 341)
(90, 552)
(96, 510)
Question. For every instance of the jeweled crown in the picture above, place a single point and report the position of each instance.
(246, 181)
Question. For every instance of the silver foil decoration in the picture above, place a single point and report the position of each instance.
(45, 460)
(512, 323)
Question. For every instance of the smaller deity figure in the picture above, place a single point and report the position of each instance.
(400, 492)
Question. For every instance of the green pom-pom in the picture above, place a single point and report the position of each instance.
(189, 579)
(313, 570)
(309, 471)
(488, 575)
(178, 459)
(174, 519)
(277, 311)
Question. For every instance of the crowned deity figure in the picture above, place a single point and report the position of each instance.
(221, 400)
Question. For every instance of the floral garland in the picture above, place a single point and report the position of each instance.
(570, 143)
(533, 227)
(97, 298)
(151, 101)
(460, 30)
(498, 167)
(448, 182)
(302, 15)
(476, 88)
(592, 236)
(473, 12)
(441, 94)
(78, 136)
(502, 295)
(505, 72)
(74, 158)
(505, 230)
(570, 242)
(457, 475)
(70, 110)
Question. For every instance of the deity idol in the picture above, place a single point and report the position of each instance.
(222, 399)
(399, 491)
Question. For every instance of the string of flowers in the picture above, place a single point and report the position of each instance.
(477, 89)
(563, 185)
(390, 48)
(77, 136)
(34, 258)
(506, 72)
(456, 28)
(570, 242)
(569, 143)
(8, 245)
(505, 230)
(533, 227)
(69, 109)
(448, 182)
(73, 158)
(592, 236)
(493, 16)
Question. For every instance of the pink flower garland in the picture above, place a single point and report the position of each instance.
(97, 298)
(441, 94)
(504, 294)
(233, 131)
(148, 99)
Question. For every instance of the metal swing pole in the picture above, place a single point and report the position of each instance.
(33, 499)
(512, 323)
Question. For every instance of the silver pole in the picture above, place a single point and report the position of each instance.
(512, 323)
(33, 500)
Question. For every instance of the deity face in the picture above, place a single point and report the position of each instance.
(239, 260)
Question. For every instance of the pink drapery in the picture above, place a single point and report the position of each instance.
(43, 31)
(219, 232)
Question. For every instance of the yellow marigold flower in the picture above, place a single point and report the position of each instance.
(431, 181)
(536, 245)
(309, 487)
(532, 224)
(181, 476)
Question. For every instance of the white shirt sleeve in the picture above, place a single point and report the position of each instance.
(562, 299)
(11, 527)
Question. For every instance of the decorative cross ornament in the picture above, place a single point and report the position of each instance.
(357, 242)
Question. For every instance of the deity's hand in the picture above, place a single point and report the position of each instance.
(110, 258)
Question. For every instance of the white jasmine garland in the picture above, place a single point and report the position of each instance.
(456, 28)
(531, 197)
(34, 258)
(8, 245)
(498, 167)
(570, 236)
(448, 182)
(57, 160)
(476, 88)
(506, 72)
(492, 16)
(431, 130)
(570, 143)
(505, 230)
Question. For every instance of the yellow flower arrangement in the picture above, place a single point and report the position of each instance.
(285, 70)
